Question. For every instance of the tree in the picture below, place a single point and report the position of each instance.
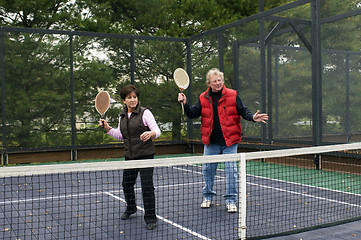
(38, 14)
(171, 18)
(178, 19)
(41, 61)
(37, 73)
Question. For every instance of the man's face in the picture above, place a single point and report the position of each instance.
(215, 83)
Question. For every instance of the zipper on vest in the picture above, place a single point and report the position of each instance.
(129, 136)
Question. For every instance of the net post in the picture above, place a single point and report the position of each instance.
(4, 159)
(73, 155)
(242, 197)
(317, 161)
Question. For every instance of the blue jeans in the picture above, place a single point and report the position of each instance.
(209, 171)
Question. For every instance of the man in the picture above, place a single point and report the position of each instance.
(220, 110)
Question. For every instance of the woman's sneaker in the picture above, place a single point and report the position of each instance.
(206, 203)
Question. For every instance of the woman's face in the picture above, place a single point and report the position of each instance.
(131, 101)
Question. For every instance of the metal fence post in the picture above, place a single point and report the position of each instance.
(73, 125)
(3, 95)
(316, 78)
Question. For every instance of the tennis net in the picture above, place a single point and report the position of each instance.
(280, 192)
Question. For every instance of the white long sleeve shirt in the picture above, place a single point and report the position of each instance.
(148, 120)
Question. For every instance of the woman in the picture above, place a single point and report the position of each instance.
(137, 127)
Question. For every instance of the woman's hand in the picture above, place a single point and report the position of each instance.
(147, 135)
(103, 124)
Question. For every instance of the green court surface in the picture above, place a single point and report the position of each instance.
(338, 181)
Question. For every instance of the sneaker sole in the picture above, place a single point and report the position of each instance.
(207, 205)
(232, 210)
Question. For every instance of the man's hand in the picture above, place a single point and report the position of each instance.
(257, 117)
(182, 98)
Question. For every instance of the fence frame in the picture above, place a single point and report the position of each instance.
(264, 40)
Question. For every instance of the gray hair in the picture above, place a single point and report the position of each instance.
(214, 71)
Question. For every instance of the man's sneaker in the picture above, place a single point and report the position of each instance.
(232, 208)
(206, 203)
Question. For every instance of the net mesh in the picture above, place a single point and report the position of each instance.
(284, 193)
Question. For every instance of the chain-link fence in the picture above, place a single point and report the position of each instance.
(300, 63)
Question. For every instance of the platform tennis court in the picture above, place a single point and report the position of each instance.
(83, 204)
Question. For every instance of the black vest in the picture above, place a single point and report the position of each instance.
(131, 129)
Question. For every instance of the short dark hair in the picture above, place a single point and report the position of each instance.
(128, 90)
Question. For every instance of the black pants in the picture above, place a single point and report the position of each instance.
(146, 179)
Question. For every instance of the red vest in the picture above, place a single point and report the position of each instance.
(229, 118)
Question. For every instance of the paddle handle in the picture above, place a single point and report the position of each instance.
(181, 90)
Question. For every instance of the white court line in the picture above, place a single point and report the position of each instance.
(278, 180)
(118, 198)
(304, 194)
(50, 197)
(191, 171)
(162, 186)
(297, 193)
(305, 185)
(292, 192)
(100, 192)
(166, 220)
(196, 172)
(89, 194)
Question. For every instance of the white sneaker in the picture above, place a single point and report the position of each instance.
(232, 208)
(206, 203)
